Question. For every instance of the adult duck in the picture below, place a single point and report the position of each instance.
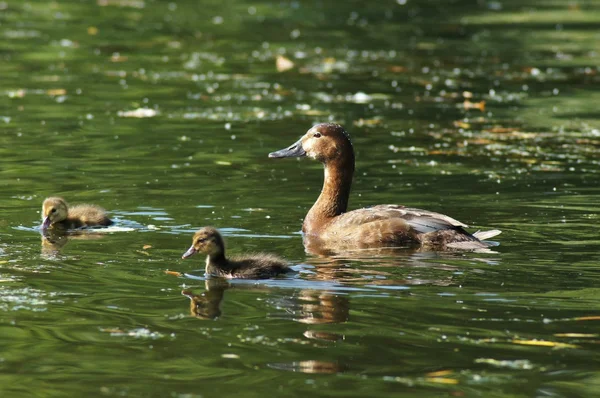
(56, 212)
(208, 240)
(330, 227)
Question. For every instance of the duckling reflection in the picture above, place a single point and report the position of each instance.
(208, 241)
(53, 240)
(207, 305)
(56, 213)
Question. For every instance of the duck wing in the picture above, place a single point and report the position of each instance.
(421, 221)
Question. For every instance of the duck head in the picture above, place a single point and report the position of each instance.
(53, 210)
(208, 241)
(325, 142)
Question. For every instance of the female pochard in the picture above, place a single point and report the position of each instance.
(208, 241)
(329, 225)
(56, 212)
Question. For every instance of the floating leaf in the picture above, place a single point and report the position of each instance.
(174, 273)
(56, 91)
(501, 130)
(576, 335)
(441, 380)
(516, 364)
(230, 356)
(439, 373)
(461, 124)
(474, 105)
(543, 343)
(283, 64)
(139, 113)
(588, 318)
(116, 57)
(396, 68)
(146, 247)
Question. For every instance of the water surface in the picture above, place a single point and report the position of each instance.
(164, 113)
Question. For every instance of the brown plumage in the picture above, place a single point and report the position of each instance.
(56, 212)
(329, 226)
(208, 241)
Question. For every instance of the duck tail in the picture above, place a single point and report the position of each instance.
(483, 235)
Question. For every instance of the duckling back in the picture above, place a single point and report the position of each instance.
(255, 266)
(88, 215)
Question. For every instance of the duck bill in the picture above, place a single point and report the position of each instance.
(46, 223)
(191, 251)
(293, 151)
(187, 293)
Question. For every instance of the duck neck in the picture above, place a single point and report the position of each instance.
(333, 199)
(215, 262)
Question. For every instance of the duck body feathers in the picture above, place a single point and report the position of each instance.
(252, 266)
(392, 225)
(85, 215)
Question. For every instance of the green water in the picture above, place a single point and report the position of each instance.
(96, 315)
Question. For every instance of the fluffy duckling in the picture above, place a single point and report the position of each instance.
(56, 212)
(330, 225)
(208, 241)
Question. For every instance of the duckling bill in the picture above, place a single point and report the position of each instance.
(330, 225)
(208, 241)
(56, 212)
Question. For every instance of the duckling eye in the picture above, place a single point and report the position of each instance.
(317, 135)
(53, 211)
(201, 240)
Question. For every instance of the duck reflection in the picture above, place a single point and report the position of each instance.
(308, 306)
(54, 239)
(319, 307)
(317, 247)
(207, 305)
(383, 266)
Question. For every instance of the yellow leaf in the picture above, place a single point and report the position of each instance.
(441, 380)
(588, 318)
(542, 343)
(56, 91)
(575, 335)
(283, 64)
(439, 373)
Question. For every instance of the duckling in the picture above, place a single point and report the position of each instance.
(331, 227)
(56, 212)
(208, 241)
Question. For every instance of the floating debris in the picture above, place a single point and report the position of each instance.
(283, 64)
(139, 113)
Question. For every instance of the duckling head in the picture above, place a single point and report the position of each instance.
(324, 142)
(208, 241)
(53, 210)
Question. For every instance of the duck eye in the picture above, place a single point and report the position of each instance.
(201, 240)
(317, 135)
(53, 211)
